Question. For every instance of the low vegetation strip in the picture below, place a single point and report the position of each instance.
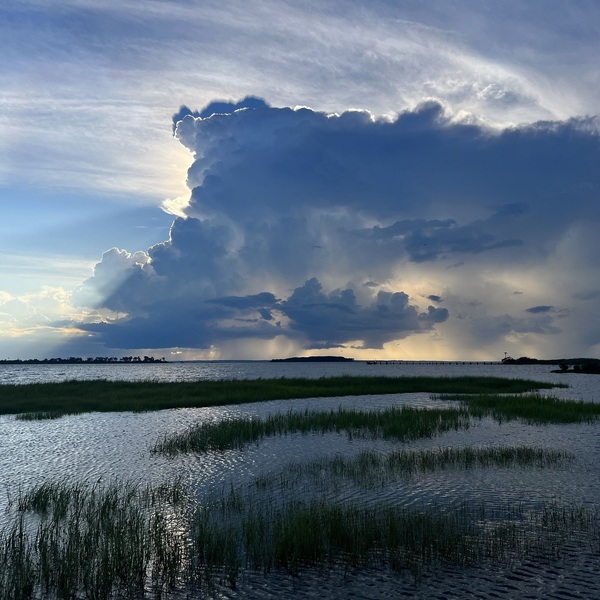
(399, 423)
(369, 468)
(534, 409)
(73, 397)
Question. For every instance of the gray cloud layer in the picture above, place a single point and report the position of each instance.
(313, 227)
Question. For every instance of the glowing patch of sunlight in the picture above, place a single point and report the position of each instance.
(421, 346)
(176, 206)
(183, 354)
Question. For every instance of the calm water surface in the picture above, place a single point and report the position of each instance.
(104, 446)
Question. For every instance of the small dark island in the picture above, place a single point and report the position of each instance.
(565, 365)
(313, 359)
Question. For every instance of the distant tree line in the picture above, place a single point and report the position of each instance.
(577, 365)
(72, 360)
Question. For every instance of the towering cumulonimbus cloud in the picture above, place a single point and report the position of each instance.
(332, 230)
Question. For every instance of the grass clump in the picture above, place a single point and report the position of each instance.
(326, 534)
(295, 536)
(403, 424)
(72, 541)
(534, 409)
(370, 468)
(73, 397)
(40, 416)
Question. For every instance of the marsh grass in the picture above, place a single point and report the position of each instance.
(131, 541)
(369, 469)
(534, 409)
(73, 397)
(403, 424)
(297, 536)
(40, 416)
(324, 534)
(399, 423)
(71, 541)
(124, 540)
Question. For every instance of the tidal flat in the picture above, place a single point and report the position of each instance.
(406, 510)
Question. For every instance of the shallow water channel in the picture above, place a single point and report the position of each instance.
(116, 446)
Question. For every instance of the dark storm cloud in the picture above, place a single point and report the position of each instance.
(540, 309)
(425, 240)
(185, 322)
(280, 158)
(316, 320)
(295, 215)
(253, 301)
(298, 181)
(335, 318)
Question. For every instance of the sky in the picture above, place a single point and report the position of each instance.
(193, 179)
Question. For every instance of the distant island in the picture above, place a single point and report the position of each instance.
(565, 365)
(75, 360)
(313, 359)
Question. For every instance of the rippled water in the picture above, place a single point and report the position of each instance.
(103, 446)
(193, 371)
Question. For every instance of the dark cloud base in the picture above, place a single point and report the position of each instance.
(315, 320)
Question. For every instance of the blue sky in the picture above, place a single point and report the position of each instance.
(200, 179)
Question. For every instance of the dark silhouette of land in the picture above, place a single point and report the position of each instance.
(313, 359)
(75, 360)
(565, 365)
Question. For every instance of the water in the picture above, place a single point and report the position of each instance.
(194, 371)
(104, 446)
